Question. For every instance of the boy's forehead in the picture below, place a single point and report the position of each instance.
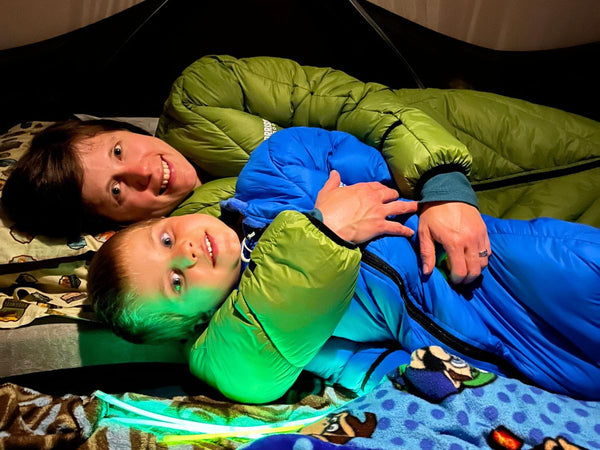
(136, 252)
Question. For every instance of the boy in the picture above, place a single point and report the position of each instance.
(305, 301)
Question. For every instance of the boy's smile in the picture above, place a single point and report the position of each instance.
(186, 264)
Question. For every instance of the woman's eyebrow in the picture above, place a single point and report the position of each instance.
(111, 141)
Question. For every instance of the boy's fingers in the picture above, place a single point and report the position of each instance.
(388, 194)
(333, 182)
(397, 229)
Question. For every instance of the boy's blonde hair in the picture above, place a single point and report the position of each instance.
(122, 308)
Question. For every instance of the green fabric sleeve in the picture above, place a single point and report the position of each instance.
(289, 301)
(206, 198)
(221, 108)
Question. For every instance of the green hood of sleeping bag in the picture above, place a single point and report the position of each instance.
(527, 160)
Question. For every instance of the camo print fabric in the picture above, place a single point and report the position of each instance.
(29, 419)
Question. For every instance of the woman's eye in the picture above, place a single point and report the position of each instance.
(166, 240)
(115, 190)
(117, 150)
(176, 282)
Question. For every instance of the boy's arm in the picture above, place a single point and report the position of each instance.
(358, 367)
(289, 301)
(288, 170)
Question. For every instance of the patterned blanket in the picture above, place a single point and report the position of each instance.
(438, 401)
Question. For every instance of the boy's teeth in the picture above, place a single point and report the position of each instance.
(209, 246)
(166, 175)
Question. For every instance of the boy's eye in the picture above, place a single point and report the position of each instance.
(177, 282)
(115, 189)
(166, 240)
(117, 150)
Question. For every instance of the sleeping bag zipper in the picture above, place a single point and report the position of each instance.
(543, 174)
(434, 329)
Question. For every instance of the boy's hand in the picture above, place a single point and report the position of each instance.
(459, 228)
(359, 212)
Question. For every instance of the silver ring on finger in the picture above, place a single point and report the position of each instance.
(483, 253)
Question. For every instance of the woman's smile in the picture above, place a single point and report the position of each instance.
(166, 176)
(130, 177)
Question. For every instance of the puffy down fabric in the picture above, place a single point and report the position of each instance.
(221, 108)
(519, 319)
(527, 160)
(284, 310)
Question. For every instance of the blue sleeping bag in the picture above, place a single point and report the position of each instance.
(534, 314)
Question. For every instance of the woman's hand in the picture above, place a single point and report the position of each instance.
(459, 228)
(360, 212)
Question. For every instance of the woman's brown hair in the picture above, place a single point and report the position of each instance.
(43, 192)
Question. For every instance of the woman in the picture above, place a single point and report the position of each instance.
(221, 108)
(93, 174)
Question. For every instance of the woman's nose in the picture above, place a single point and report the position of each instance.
(137, 176)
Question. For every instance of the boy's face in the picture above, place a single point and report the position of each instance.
(129, 177)
(186, 264)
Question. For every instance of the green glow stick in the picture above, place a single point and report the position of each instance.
(200, 427)
(169, 439)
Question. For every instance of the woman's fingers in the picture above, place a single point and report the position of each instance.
(398, 208)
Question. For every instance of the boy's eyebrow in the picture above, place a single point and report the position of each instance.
(154, 243)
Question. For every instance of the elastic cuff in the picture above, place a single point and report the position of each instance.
(386, 363)
(316, 213)
(448, 187)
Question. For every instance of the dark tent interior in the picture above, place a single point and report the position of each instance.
(124, 65)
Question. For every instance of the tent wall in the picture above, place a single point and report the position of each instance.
(125, 64)
(506, 24)
(27, 21)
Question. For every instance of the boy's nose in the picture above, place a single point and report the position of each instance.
(190, 253)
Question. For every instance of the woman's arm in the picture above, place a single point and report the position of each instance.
(221, 108)
(215, 110)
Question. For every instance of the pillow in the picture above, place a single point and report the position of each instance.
(39, 275)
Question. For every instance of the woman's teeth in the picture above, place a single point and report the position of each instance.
(166, 177)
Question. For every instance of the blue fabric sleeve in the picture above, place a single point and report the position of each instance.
(288, 170)
(356, 366)
(448, 187)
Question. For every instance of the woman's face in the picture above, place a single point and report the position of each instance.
(129, 177)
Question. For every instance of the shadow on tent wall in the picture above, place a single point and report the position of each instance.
(124, 65)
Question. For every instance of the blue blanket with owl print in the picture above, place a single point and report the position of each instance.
(439, 401)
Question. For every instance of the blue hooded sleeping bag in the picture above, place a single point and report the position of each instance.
(533, 314)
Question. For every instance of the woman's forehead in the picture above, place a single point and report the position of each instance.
(90, 143)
